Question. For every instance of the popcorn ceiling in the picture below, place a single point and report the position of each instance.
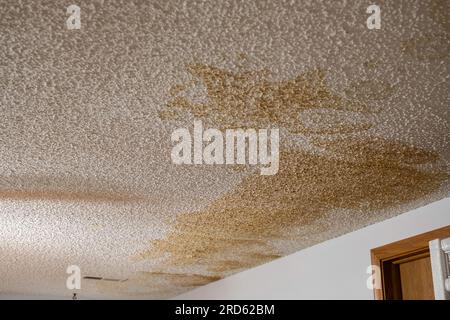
(86, 116)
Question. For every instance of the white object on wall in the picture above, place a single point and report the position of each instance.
(440, 265)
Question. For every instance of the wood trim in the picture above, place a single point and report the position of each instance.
(408, 248)
(412, 258)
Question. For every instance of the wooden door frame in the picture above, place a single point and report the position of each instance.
(386, 258)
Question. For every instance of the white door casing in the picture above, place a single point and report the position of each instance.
(440, 265)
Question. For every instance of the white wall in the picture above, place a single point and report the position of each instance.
(335, 269)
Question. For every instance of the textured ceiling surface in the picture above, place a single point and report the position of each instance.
(86, 116)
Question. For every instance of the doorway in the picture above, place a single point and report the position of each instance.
(406, 272)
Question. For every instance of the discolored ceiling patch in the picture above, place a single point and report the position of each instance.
(360, 174)
(85, 172)
(237, 231)
(250, 99)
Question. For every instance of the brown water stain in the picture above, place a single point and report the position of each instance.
(249, 99)
(236, 231)
(358, 175)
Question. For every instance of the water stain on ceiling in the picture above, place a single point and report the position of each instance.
(85, 170)
(249, 99)
(352, 173)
